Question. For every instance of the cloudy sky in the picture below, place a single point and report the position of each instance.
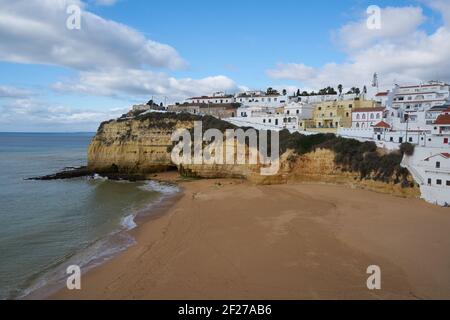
(53, 78)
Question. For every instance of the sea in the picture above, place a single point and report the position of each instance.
(47, 226)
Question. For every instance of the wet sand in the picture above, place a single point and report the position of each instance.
(228, 239)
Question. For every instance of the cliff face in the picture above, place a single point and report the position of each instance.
(141, 147)
(133, 147)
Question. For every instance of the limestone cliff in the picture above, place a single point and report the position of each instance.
(141, 146)
(136, 147)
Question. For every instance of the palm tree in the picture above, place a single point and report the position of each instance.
(340, 88)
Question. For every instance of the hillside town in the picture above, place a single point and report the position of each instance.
(417, 114)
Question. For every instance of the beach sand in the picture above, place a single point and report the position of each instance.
(229, 239)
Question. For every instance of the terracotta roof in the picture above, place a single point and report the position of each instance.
(382, 124)
(443, 119)
(445, 155)
(381, 94)
(375, 109)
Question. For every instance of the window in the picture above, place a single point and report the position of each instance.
(276, 122)
(391, 139)
(438, 165)
(357, 116)
(371, 116)
(429, 181)
(448, 183)
(298, 111)
(410, 139)
(439, 182)
(445, 140)
(400, 140)
(264, 120)
(288, 112)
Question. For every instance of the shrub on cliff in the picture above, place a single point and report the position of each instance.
(407, 148)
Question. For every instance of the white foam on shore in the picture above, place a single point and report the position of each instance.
(102, 249)
(128, 222)
(161, 187)
(98, 177)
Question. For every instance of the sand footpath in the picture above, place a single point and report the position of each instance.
(229, 239)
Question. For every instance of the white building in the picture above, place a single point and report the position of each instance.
(366, 117)
(420, 97)
(301, 110)
(261, 99)
(382, 98)
(323, 98)
(216, 98)
(430, 168)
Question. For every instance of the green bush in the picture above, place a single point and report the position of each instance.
(407, 148)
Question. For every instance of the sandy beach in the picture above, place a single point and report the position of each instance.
(229, 239)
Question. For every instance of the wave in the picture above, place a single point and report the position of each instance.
(161, 187)
(102, 249)
(128, 222)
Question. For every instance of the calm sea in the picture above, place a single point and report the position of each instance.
(46, 226)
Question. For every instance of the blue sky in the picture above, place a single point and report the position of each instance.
(54, 79)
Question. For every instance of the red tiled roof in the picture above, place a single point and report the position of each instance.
(382, 124)
(381, 94)
(443, 119)
(445, 155)
(375, 109)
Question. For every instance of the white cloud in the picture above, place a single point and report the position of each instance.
(397, 24)
(400, 52)
(30, 114)
(144, 83)
(34, 31)
(13, 92)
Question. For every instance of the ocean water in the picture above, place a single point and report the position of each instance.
(46, 226)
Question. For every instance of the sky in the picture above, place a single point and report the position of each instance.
(59, 79)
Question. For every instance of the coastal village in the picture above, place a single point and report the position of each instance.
(418, 114)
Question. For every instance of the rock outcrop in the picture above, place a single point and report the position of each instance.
(140, 146)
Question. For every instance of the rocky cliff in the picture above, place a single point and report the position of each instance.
(137, 147)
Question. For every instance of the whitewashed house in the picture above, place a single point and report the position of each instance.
(365, 118)
(261, 99)
(301, 110)
(430, 168)
(215, 98)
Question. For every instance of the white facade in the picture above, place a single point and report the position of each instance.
(421, 97)
(301, 110)
(366, 117)
(382, 98)
(430, 168)
(323, 98)
(261, 99)
(215, 98)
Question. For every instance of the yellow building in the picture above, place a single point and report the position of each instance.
(331, 115)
